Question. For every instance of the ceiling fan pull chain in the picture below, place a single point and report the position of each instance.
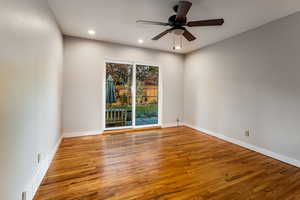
(174, 43)
(181, 41)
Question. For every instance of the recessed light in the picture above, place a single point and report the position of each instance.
(141, 41)
(177, 47)
(92, 32)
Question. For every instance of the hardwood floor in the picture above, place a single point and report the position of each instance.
(173, 163)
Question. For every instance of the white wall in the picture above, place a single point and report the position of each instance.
(249, 82)
(83, 81)
(30, 73)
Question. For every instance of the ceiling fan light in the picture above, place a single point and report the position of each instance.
(177, 42)
(178, 31)
(91, 32)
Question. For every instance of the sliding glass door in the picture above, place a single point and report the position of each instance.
(118, 108)
(146, 95)
(131, 95)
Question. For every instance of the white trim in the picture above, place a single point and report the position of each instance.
(147, 126)
(117, 128)
(160, 95)
(118, 62)
(133, 96)
(82, 133)
(41, 172)
(103, 109)
(263, 151)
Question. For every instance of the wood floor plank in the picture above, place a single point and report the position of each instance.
(173, 163)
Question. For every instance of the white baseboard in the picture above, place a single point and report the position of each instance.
(171, 124)
(41, 172)
(263, 151)
(82, 133)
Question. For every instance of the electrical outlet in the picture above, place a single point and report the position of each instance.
(247, 133)
(24, 195)
(39, 157)
(177, 120)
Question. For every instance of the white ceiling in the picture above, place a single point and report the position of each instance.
(114, 20)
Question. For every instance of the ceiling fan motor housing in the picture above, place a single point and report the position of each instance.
(173, 22)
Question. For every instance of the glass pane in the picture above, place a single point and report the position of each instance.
(146, 95)
(118, 111)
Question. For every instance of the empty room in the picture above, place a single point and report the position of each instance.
(150, 99)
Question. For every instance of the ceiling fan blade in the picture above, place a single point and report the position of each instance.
(188, 36)
(182, 10)
(161, 34)
(152, 23)
(211, 22)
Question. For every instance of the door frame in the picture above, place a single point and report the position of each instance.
(133, 91)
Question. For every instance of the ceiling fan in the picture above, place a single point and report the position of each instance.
(179, 21)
